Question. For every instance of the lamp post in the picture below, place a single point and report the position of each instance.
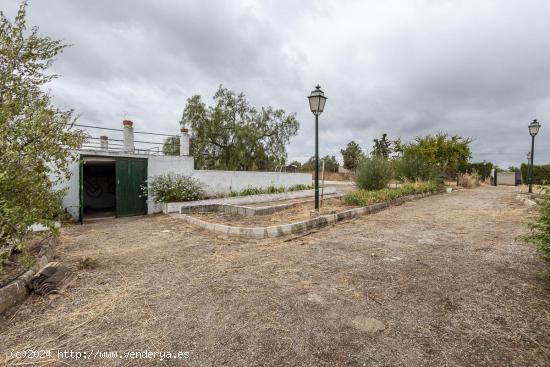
(534, 128)
(528, 166)
(317, 101)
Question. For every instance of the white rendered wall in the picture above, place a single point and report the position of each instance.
(216, 182)
(71, 200)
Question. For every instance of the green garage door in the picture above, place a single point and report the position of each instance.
(131, 174)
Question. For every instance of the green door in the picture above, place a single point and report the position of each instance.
(131, 174)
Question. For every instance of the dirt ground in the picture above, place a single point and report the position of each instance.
(441, 281)
(296, 213)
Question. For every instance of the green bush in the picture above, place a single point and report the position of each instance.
(411, 168)
(540, 230)
(373, 174)
(365, 197)
(541, 173)
(168, 188)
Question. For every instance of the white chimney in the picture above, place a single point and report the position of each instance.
(184, 141)
(104, 142)
(128, 136)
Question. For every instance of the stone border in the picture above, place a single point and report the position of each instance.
(530, 203)
(237, 200)
(17, 290)
(246, 211)
(297, 227)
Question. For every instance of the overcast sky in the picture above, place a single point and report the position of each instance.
(476, 68)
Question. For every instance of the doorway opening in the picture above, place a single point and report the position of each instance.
(99, 189)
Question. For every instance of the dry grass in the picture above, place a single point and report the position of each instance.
(469, 181)
(437, 282)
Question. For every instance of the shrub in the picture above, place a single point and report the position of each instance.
(300, 187)
(251, 191)
(469, 180)
(365, 197)
(373, 174)
(168, 188)
(412, 168)
(541, 173)
(540, 230)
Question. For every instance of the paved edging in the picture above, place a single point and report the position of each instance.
(235, 200)
(16, 291)
(296, 227)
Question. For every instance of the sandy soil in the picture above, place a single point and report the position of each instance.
(441, 281)
(296, 213)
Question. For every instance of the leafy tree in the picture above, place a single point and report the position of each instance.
(382, 147)
(449, 153)
(234, 135)
(331, 164)
(171, 146)
(352, 155)
(34, 135)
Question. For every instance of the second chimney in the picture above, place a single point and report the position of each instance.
(104, 142)
(184, 142)
(128, 136)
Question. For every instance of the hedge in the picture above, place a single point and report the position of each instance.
(541, 173)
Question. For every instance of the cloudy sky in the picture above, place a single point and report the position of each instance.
(476, 68)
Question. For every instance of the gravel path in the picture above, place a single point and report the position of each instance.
(442, 281)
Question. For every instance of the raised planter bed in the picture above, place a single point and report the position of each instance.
(295, 227)
(238, 200)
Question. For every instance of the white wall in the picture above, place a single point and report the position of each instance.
(506, 178)
(159, 164)
(71, 200)
(225, 181)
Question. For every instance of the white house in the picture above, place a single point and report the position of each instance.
(107, 182)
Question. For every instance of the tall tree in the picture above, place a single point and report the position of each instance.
(382, 147)
(331, 164)
(234, 135)
(171, 146)
(34, 135)
(352, 155)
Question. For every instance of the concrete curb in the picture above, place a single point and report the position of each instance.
(16, 291)
(296, 227)
(239, 200)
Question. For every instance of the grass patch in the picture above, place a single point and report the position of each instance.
(267, 190)
(368, 197)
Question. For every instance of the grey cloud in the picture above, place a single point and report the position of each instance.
(479, 69)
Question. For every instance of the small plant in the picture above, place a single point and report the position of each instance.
(373, 174)
(168, 188)
(540, 230)
(300, 187)
(251, 191)
(366, 197)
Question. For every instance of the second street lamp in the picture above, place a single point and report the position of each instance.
(317, 101)
(534, 128)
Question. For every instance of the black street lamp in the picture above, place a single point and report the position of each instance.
(528, 166)
(534, 128)
(317, 101)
